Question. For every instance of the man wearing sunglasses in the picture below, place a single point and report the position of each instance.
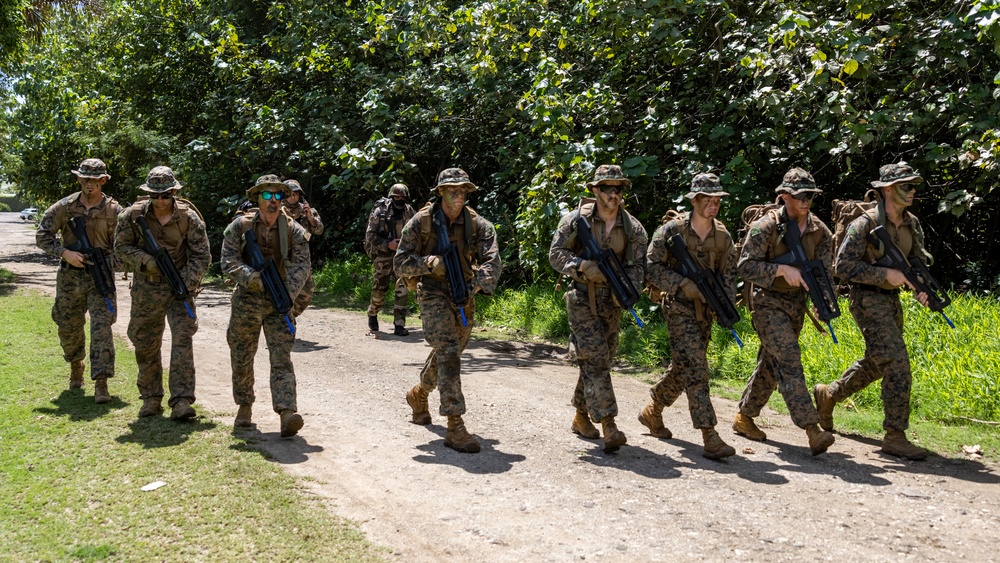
(299, 209)
(778, 301)
(179, 229)
(283, 241)
(76, 292)
(594, 314)
(876, 308)
(385, 224)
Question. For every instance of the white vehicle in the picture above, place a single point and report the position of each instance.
(29, 214)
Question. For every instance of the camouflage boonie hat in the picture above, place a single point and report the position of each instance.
(609, 174)
(399, 189)
(899, 173)
(160, 179)
(454, 177)
(797, 181)
(293, 185)
(267, 182)
(706, 184)
(92, 168)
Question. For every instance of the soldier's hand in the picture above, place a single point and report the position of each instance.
(393, 244)
(793, 276)
(435, 265)
(690, 290)
(74, 258)
(254, 282)
(591, 272)
(896, 278)
(922, 298)
(149, 266)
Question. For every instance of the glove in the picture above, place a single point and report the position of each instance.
(435, 264)
(591, 272)
(690, 290)
(254, 283)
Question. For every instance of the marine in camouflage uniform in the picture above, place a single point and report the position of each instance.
(688, 316)
(76, 292)
(594, 314)
(875, 305)
(180, 230)
(476, 242)
(385, 223)
(298, 208)
(284, 241)
(778, 308)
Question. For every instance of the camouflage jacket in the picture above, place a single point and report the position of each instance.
(564, 253)
(294, 268)
(764, 242)
(382, 227)
(717, 252)
(54, 234)
(856, 256)
(298, 212)
(481, 257)
(188, 247)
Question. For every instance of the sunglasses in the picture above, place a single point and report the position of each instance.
(161, 196)
(276, 196)
(611, 189)
(805, 196)
(906, 188)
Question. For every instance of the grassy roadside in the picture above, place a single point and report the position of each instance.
(71, 471)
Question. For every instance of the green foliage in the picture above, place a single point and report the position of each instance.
(4, 206)
(348, 281)
(530, 310)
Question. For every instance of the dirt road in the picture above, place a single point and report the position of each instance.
(539, 493)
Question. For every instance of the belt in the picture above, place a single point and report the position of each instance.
(152, 279)
(67, 266)
(875, 289)
(599, 291)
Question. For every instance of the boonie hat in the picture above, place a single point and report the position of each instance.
(267, 182)
(92, 168)
(160, 179)
(454, 177)
(706, 184)
(797, 181)
(899, 173)
(609, 174)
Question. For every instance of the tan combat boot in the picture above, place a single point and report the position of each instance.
(291, 423)
(824, 404)
(150, 406)
(243, 416)
(76, 375)
(417, 399)
(652, 417)
(101, 394)
(715, 448)
(895, 443)
(819, 439)
(582, 426)
(182, 409)
(745, 426)
(458, 438)
(613, 437)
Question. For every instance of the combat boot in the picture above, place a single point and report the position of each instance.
(745, 426)
(373, 323)
(243, 416)
(824, 404)
(417, 399)
(400, 330)
(613, 437)
(101, 394)
(182, 409)
(458, 438)
(291, 423)
(150, 406)
(819, 439)
(652, 417)
(715, 448)
(582, 426)
(76, 375)
(895, 443)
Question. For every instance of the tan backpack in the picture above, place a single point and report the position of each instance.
(846, 211)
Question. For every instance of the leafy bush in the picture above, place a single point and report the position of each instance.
(4, 207)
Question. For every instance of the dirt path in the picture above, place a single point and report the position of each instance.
(537, 492)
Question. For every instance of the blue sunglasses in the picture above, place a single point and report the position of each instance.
(278, 196)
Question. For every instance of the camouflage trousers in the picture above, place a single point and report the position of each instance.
(777, 318)
(75, 296)
(596, 345)
(151, 302)
(688, 369)
(442, 325)
(382, 278)
(251, 311)
(305, 297)
(880, 318)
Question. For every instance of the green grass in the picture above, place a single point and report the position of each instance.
(71, 471)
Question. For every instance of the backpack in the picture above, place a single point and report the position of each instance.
(751, 215)
(383, 205)
(846, 211)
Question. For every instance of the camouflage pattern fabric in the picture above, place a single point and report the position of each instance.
(442, 322)
(297, 212)
(596, 334)
(382, 278)
(381, 228)
(754, 265)
(152, 296)
(305, 297)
